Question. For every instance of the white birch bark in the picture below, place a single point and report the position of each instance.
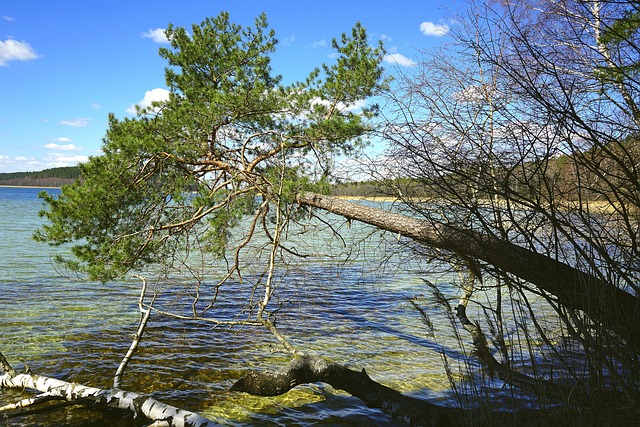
(139, 404)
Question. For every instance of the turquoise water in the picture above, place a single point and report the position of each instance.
(355, 313)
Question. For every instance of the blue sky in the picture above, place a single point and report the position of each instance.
(66, 64)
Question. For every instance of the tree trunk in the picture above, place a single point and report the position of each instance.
(309, 369)
(158, 412)
(601, 301)
(305, 369)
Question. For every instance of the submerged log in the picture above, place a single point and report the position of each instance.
(603, 302)
(159, 413)
(306, 369)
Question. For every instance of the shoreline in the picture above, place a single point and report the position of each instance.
(369, 198)
(27, 186)
(600, 206)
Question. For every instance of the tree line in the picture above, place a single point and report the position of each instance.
(53, 177)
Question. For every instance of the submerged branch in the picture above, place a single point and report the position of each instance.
(31, 401)
(135, 403)
(305, 369)
(537, 386)
(540, 387)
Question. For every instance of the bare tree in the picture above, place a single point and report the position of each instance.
(525, 130)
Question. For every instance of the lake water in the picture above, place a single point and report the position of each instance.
(356, 313)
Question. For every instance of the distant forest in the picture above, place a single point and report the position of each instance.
(358, 189)
(54, 177)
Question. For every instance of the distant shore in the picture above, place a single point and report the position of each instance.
(28, 186)
(599, 206)
(369, 198)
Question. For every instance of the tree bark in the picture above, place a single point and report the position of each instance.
(161, 414)
(601, 301)
(306, 369)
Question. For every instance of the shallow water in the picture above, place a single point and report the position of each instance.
(355, 313)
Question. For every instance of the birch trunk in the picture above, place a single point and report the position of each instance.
(140, 405)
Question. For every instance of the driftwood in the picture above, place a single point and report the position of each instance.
(306, 369)
(159, 413)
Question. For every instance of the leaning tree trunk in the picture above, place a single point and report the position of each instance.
(601, 301)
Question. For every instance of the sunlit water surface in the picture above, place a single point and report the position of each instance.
(357, 314)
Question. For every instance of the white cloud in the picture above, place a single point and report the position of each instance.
(399, 59)
(158, 35)
(52, 160)
(471, 94)
(319, 43)
(8, 18)
(341, 106)
(65, 147)
(56, 160)
(96, 106)
(62, 139)
(288, 41)
(13, 50)
(431, 29)
(358, 105)
(17, 164)
(77, 123)
(150, 96)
